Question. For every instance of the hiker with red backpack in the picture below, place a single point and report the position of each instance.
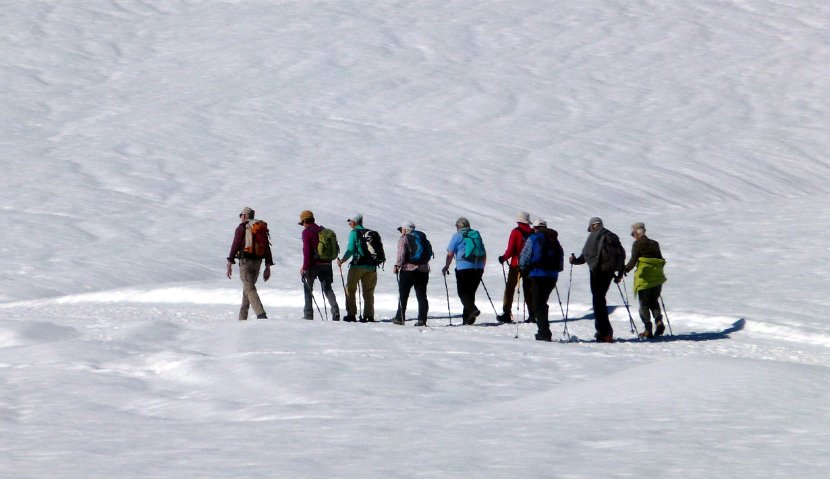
(250, 246)
(319, 250)
(515, 243)
(605, 257)
(541, 261)
(363, 249)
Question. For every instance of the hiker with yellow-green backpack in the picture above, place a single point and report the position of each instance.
(648, 279)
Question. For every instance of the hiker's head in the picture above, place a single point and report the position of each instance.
(247, 213)
(462, 223)
(306, 217)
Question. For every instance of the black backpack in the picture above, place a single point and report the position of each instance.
(370, 248)
(611, 254)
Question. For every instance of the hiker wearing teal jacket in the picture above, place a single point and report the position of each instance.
(359, 272)
(648, 279)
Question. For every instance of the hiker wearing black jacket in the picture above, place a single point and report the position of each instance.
(600, 279)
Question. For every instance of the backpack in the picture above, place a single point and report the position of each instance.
(473, 247)
(549, 255)
(327, 247)
(257, 238)
(419, 248)
(370, 248)
(611, 254)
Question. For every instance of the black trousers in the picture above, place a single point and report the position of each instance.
(467, 281)
(542, 288)
(418, 280)
(600, 282)
(650, 305)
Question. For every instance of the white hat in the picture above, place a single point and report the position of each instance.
(407, 225)
(540, 224)
(357, 218)
(523, 217)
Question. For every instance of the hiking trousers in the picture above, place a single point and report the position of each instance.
(466, 283)
(249, 273)
(542, 288)
(368, 279)
(513, 275)
(418, 280)
(324, 274)
(600, 282)
(650, 305)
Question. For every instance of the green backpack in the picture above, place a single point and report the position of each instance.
(327, 247)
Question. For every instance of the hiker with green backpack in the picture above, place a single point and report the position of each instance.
(320, 248)
(467, 248)
(648, 279)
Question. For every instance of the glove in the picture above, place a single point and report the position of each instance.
(501, 260)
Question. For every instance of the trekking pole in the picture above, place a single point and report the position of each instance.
(489, 298)
(360, 300)
(311, 292)
(449, 313)
(519, 287)
(565, 331)
(666, 314)
(630, 318)
(504, 273)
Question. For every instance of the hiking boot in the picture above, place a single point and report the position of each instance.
(544, 337)
(531, 319)
(398, 321)
(660, 328)
(504, 318)
(349, 319)
(369, 319)
(604, 339)
(336, 317)
(421, 322)
(472, 318)
(262, 316)
(646, 334)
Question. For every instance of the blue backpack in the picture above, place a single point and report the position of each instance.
(419, 248)
(473, 247)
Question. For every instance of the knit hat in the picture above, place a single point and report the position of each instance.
(306, 215)
(540, 224)
(407, 225)
(248, 212)
(357, 218)
(523, 217)
(594, 221)
(638, 226)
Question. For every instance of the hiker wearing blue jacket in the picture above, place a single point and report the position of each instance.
(541, 262)
(467, 248)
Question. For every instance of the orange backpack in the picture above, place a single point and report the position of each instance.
(257, 238)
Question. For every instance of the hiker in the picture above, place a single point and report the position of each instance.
(515, 243)
(362, 271)
(412, 268)
(316, 267)
(249, 247)
(541, 262)
(602, 272)
(648, 279)
(467, 248)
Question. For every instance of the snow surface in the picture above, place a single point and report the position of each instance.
(134, 132)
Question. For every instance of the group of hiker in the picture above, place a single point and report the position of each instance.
(533, 255)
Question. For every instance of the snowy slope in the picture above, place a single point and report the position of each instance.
(135, 131)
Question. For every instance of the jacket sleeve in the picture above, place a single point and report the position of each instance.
(635, 256)
(307, 248)
(527, 254)
(351, 249)
(400, 258)
(236, 245)
(512, 244)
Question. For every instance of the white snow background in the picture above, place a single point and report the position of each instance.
(133, 132)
